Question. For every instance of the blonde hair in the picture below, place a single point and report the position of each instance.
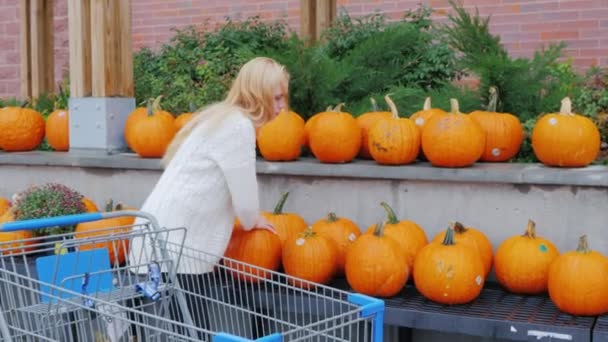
(252, 93)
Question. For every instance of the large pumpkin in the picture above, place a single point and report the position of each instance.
(565, 139)
(22, 129)
(422, 117)
(281, 139)
(410, 237)
(394, 140)
(57, 130)
(149, 130)
(521, 262)
(366, 121)
(504, 132)
(286, 224)
(453, 140)
(257, 247)
(449, 272)
(10, 242)
(310, 256)
(473, 238)
(335, 136)
(376, 264)
(342, 231)
(117, 248)
(578, 281)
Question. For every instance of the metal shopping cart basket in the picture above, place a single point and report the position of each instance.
(72, 289)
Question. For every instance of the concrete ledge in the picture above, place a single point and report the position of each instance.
(506, 173)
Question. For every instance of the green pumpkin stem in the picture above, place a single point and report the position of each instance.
(374, 104)
(448, 240)
(427, 104)
(566, 107)
(109, 205)
(458, 227)
(392, 106)
(150, 107)
(279, 207)
(531, 230)
(455, 107)
(332, 217)
(583, 245)
(391, 217)
(493, 99)
(308, 232)
(379, 229)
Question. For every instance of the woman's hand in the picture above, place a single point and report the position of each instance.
(263, 223)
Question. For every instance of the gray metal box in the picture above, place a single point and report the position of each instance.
(97, 123)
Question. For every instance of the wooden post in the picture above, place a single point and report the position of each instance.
(37, 48)
(79, 14)
(316, 16)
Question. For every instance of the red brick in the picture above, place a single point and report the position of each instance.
(594, 52)
(582, 4)
(539, 6)
(559, 35)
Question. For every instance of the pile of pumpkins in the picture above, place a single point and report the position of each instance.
(451, 268)
(453, 139)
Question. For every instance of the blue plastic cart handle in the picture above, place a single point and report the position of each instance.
(66, 220)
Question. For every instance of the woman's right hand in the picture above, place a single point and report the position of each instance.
(263, 223)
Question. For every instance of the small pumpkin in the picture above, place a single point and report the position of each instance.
(22, 129)
(578, 281)
(286, 224)
(342, 231)
(422, 117)
(309, 256)
(394, 140)
(473, 238)
(453, 140)
(366, 121)
(565, 139)
(57, 130)
(504, 132)
(117, 248)
(521, 262)
(89, 205)
(182, 119)
(5, 204)
(308, 126)
(282, 138)
(10, 242)
(335, 136)
(149, 131)
(257, 247)
(410, 237)
(449, 272)
(376, 264)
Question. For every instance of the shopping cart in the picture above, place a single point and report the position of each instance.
(64, 290)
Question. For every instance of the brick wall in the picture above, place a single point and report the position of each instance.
(524, 25)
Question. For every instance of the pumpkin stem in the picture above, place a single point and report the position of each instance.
(458, 227)
(329, 108)
(493, 102)
(374, 104)
(279, 208)
(109, 205)
(531, 230)
(392, 106)
(156, 104)
(448, 240)
(338, 108)
(455, 107)
(379, 229)
(150, 106)
(427, 104)
(308, 232)
(391, 217)
(332, 217)
(566, 108)
(191, 107)
(583, 245)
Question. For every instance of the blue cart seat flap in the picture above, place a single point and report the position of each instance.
(53, 269)
(223, 337)
(369, 305)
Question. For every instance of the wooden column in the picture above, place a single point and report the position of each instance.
(101, 57)
(315, 16)
(36, 47)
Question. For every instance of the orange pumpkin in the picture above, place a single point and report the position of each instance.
(4, 205)
(22, 129)
(521, 263)
(449, 272)
(117, 248)
(504, 132)
(410, 237)
(565, 139)
(148, 131)
(394, 140)
(282, 138)
(309, 125)
(11, 241)
(376, 264)
(473, 238)
(578, 281)
(286, 224)
(310, 256)
(182, 119)
(257, 247)
(453, 140)
(335, 137)
(89, 205)
(57, 130)
(422, 117)
(342, 231)
(366, 121)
